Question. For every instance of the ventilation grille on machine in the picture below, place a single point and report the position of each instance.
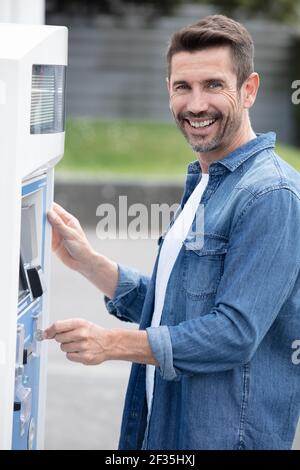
(47, 99)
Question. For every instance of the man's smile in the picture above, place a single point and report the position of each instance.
(199, 126)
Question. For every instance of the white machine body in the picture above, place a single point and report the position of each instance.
(33, 61)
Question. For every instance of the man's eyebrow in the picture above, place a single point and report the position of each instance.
(179, 82)
(214, 79)
(207, 80)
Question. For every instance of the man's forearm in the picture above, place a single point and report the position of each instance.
(102, 272)
(129, 345)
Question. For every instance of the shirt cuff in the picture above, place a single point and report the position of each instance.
(160, 343)
(128, 281)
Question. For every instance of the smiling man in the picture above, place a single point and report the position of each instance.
(212, 364)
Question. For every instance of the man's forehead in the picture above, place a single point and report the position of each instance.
(214, 60)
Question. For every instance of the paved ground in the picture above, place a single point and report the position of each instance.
(84, 404)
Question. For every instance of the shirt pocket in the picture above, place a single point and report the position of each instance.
(204, 257)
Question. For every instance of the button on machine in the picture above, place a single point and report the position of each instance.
(34, 278)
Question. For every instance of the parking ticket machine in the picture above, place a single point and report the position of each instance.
(33, 61)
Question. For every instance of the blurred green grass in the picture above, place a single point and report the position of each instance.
(134, 149)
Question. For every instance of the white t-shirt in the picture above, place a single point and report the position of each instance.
(167, 257)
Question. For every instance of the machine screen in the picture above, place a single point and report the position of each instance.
(29, 243)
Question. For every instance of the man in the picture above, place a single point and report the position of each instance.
(220, 314)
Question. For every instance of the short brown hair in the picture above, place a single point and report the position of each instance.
(212, 31)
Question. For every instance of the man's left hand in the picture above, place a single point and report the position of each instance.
(81, 340)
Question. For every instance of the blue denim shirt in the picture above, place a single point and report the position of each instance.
(226, 379)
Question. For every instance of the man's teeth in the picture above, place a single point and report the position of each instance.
(202, 124)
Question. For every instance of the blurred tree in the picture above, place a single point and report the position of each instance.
(76, 6)
(163, 7)
(279, 10)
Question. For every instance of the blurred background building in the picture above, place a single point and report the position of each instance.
(117, 57)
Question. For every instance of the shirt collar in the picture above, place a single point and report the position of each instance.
(234, 159)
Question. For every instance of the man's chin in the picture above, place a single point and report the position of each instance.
(204, 144)
(209, 146)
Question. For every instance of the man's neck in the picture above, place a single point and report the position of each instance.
(206, 158)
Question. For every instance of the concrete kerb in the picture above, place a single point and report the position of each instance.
(81, 196)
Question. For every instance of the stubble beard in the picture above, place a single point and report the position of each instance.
(227, 128)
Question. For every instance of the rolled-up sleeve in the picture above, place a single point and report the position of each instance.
(260, 269)
(160, 342)
(128, 300)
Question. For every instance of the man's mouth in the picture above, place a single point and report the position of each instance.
(200, 124)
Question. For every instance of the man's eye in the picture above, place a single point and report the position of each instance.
(213, 85)
(181, 87)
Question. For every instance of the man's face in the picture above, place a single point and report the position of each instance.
(204, 99)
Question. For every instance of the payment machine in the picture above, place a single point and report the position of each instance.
(33, 61)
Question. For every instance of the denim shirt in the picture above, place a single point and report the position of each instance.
(226, 378)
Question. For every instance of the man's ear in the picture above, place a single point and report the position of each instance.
(168, 84)
(250, 86)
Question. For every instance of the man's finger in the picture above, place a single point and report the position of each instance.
(74, 357)
(57, 223)
(70, 336)
(73, 347)
(68, 218)
(62, 326)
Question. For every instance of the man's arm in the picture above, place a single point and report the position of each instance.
(90, 344)
(124, 288)
(72, 247)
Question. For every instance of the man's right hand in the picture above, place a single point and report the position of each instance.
(69, 241)
(71, 245)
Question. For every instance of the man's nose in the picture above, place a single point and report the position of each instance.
(197, 102)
